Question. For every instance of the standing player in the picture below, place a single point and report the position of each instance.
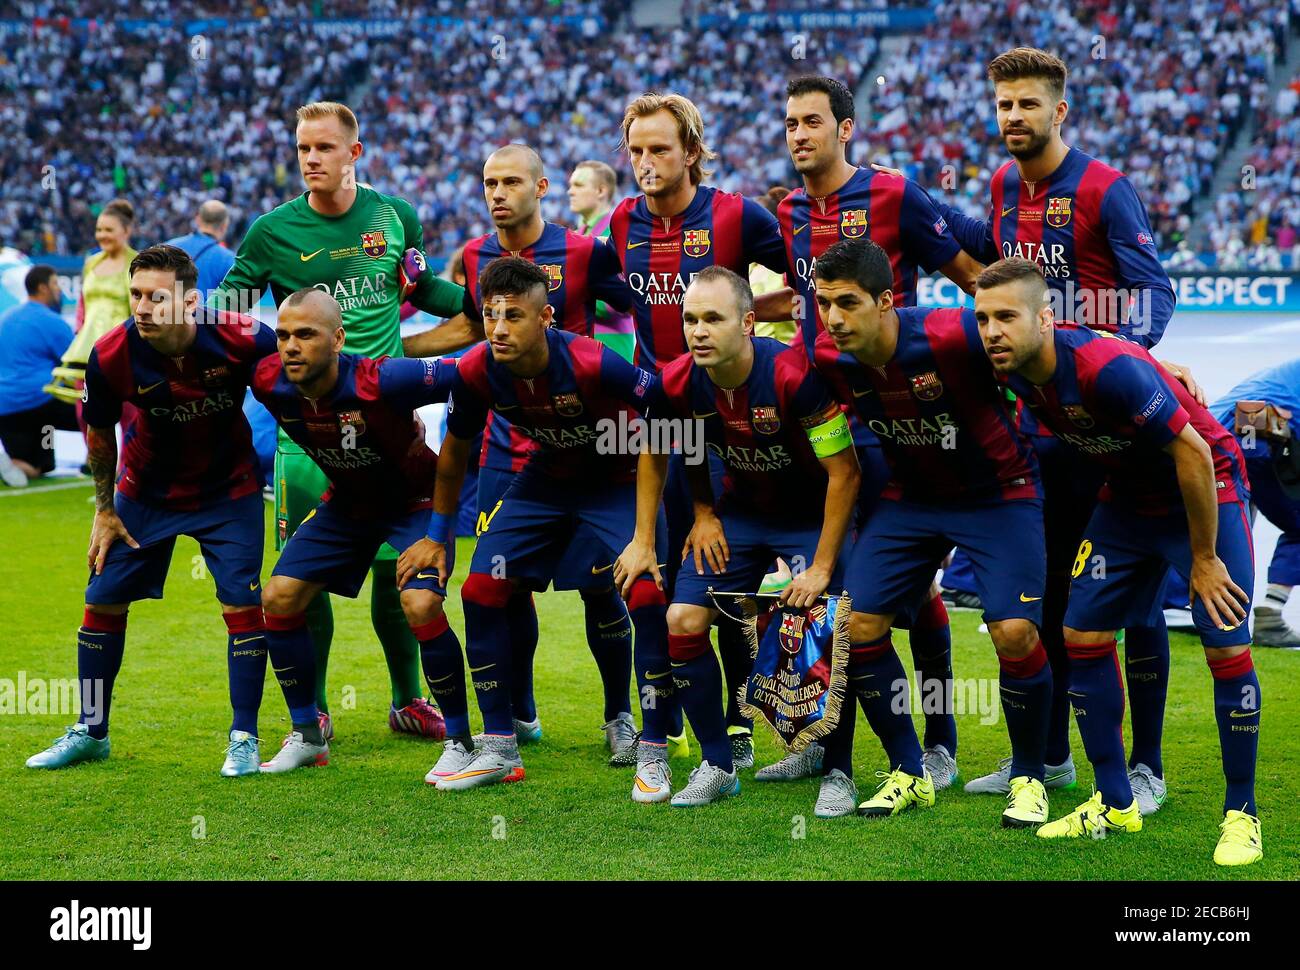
(1175, 495)
(188, 468)
(583, 275)
(366, 250)
(592, 189)
(570, 395)
(664, 237)
(790, 483)
(960, 475)
(839, 200)
(354, 417)
(1082, 222)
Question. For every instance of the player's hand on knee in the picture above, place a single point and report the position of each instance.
(421, 557)
(636, 559)
(806, 587)
(106, 529)
(1224, 600)
(707, 543)
(1184, 376)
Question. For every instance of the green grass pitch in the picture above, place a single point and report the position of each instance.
(157, 809)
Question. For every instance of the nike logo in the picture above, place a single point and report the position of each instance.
(252, 587)
(506, 407)
(650, 676)
(606, 626)
(644, 787)
(305, 257)
(248, 639)
(1138, 660)
(706, 415)
(280, 670)
(1074, 694)
(862, 393)
(799, 229)
(437, 680)
(289, 420)
(634, 245)
(424, 576)
(1007, 211)
(474, 670)
(676, 664)
(1243, 713)
(146, 390)
(1029, 599)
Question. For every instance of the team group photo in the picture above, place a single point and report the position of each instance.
(650, 440)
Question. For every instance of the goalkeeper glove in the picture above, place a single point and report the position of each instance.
(409, 271)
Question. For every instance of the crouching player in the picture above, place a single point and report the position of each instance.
(1175, 495)
(790, 485)
(570, 395)
(188, 468)
(960, 475)
(355, 417)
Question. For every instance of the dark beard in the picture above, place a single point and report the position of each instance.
(1037, 145)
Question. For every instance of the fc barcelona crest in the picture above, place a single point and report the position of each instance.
(791, 635)
(352, 420)
(554, 275)
(373, 244)
(853, 223)
(1078, 415)
(765, 420)
(927, 386)
(1058, 212)
(695, 242)
(567, 405)
(216, 376)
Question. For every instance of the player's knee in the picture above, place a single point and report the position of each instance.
(282, 596)
(865, 627)
(108, 609)
(644, 594)
(1088, 638)
(1014, 639)
(685, 619)
(420, 606)
(484, 590)
(595, 594)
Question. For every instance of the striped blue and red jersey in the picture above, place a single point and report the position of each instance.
(947, 430)
(580, 271)
(189, 446)
(1112, 401)
(759, 429)
(661, 255)
(573, 410)
(1085, 226)
(895, 213)
(363, 433)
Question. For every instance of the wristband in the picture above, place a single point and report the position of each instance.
(439, 527)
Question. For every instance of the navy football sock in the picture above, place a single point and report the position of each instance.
(245, 667)
(931, 641)
(320, 624)
(401, 649)
(697, 679)
(733, 649)
(488, 649)
(293, 658)
(649, 616)
(100, 643)
(521, 624)
(877, 678)
(444, 673)
(1026, 689)
(1146, 669)
(1097, 693)
(609, 637)
(1056, 595)
(1236, 709)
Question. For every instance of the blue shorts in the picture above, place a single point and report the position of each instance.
(754, 544)
(230, 536)
(529, 531)
(898, 552)
(1124, 587)
(338, 550)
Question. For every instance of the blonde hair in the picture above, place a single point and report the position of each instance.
(331, 109)
(690, 127)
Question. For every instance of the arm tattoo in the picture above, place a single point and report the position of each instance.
(101, 456)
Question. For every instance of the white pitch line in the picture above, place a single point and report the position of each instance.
(42, 489)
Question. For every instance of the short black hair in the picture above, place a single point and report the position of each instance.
(841, 98)
(859, 260)
(511, 276)
(38, 276)
(167, 257)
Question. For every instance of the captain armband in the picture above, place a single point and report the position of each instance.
(831, 436)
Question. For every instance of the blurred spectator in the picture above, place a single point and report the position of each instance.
(206, 245)
(33, 338)
(764, 280)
